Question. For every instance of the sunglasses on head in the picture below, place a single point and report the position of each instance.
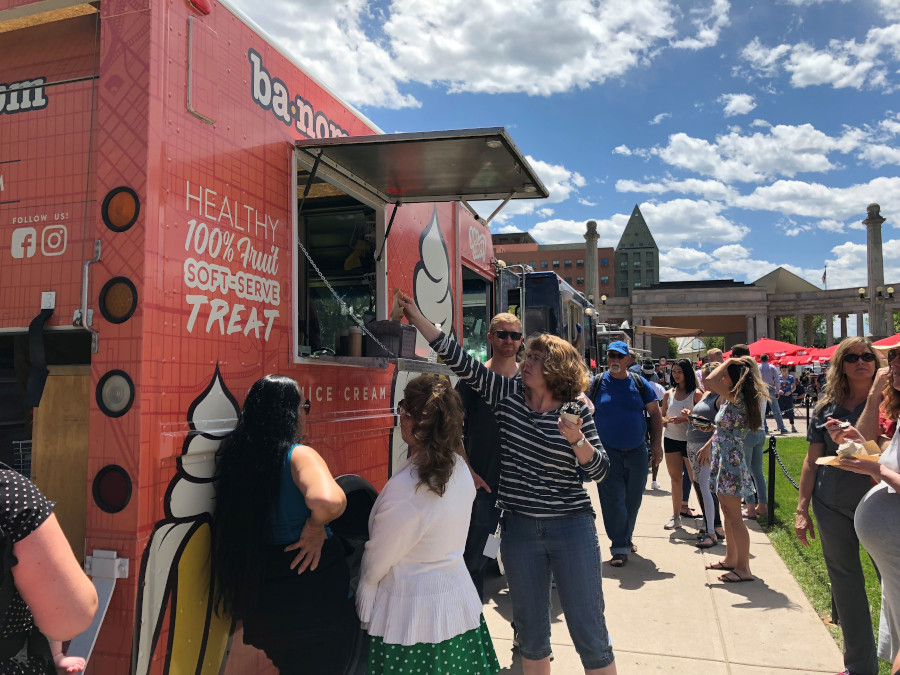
(513, 335)
(615, 355)
(305, 406)
(868, 357)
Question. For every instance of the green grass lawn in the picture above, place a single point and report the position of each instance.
(807, 564)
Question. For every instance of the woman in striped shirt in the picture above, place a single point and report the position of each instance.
(548, 524)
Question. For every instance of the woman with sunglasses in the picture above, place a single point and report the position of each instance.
(415, 595)
(277, 568)
(877, 517)
(548, 525)
(835, 495)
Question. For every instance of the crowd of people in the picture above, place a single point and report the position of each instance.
(506, 456)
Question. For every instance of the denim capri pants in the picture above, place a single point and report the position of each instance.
(568, 547)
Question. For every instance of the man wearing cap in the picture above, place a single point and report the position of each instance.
(620, 400)
(481, 439)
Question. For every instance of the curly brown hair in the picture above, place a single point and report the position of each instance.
(837, 384)
(564, 371)
(890, 403)
(436, 411)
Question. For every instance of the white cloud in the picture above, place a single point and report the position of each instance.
(561, 183)
(841, 64)
(830, 225)
(731, 252)
(659, 118)
(814, 200)
(737, 104)
(560, 231)
(683, 258)
(847, 264)
(708, 189)
(586, 202)
(622, 150)
(679, 222)
(708, 24)
(879, 155)
(782, 150)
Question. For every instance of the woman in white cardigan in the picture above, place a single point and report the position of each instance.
(415, 596)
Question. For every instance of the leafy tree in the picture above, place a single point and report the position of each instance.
(788, 331)
(897, 322)
(673, 349)
(714, 342)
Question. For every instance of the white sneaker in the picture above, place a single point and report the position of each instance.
(654, 485)
(674, 521)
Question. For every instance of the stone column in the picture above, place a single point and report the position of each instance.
(808, 330)
(860, 325)
(762, 327)
(771, 326)
(875, 267)
(843, 318)
(801, 320)
(751, 334)
(829, 329)
(591, 279)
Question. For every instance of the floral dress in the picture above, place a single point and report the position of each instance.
(729, 474)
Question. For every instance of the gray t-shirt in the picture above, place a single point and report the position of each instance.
(705, 408)
(834, 487)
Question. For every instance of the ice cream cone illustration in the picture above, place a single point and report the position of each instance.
(175, 569)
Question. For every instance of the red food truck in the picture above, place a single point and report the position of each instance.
(183, 210)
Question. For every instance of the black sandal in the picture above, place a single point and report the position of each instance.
(618, 560)
(706, 541)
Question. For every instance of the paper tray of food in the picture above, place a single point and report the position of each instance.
(868, 451)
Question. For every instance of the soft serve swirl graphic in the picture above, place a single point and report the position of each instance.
(175, 569)
(431, 280)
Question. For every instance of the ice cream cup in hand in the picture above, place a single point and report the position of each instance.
(571, 412)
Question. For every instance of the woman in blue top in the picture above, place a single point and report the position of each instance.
(276, 567)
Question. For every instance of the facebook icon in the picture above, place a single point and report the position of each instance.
(24, 242)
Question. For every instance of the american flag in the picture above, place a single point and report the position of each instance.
(824, 274)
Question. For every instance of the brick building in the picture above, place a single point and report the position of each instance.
(567, 260)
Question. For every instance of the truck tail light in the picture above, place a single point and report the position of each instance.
(120, 208)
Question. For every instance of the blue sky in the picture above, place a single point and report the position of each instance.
(751, 134)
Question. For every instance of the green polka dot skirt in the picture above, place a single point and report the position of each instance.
(470, 653)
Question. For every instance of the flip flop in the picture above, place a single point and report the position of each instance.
(618, 560)
(719, 566)
(733, 577)
(747, 516)
(688, 513)
(633, 548)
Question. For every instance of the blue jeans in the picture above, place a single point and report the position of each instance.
(754, 444)
(621, 494)
(485, 516)
(776, 409)
(532, 548)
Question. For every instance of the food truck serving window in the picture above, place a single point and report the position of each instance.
(343, 186)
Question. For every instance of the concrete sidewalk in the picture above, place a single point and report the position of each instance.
(667, 614)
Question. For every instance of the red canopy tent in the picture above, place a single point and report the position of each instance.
(823, 354)
(774, 348)
(888, 341)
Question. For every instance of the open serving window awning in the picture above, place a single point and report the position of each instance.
(433, 166)
(663, 332)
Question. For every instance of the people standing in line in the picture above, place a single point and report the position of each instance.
(786, 390)
(683, 395)
(648, 371)
(835, 495)
(620, 402)
(548, 526)
(277, 567)
(877, 518)
(772, 379)
(754, 448)
(481, 439)
(415, 596)
(699, 434)
(47, 595)
(737, 380)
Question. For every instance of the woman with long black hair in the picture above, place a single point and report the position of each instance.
(276, 566)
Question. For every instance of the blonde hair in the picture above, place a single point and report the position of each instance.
(837, 384)
(564, 371)
(504, 317)
(436, 411)
(715, 351)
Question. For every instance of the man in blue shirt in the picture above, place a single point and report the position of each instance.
(772, 378)
(620, 400)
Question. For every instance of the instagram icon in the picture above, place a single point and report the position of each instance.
(53, 240)
(24, 242)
